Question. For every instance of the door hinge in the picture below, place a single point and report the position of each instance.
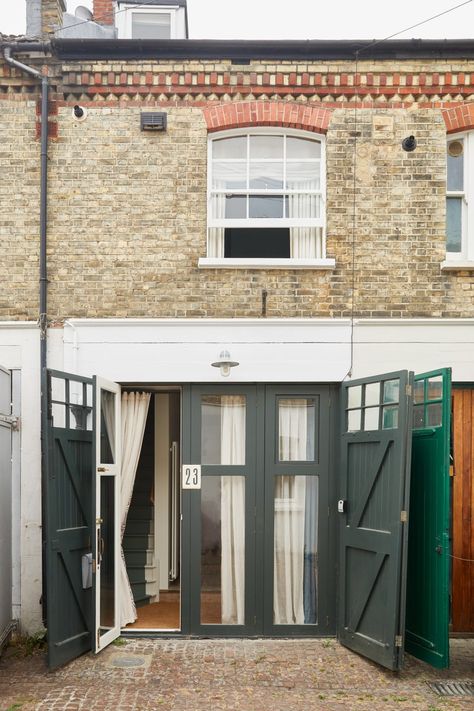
(403, 516)
(408, 391)
(11, 420)
(398, 640)
(94, 566)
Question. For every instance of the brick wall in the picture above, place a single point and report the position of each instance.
(127, 209)
(52, 15)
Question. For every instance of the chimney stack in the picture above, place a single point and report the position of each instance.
(43, 17)
(103, 12)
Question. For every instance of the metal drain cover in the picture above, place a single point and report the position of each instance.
(124, 662)
(452, 688)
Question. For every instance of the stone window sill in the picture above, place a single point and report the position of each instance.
(453, 265)
(253, 263)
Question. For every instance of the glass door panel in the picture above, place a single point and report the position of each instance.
(106, 551)
(295, 552)
(223, 441)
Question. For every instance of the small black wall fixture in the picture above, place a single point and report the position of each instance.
(153, 121)
(409, 144)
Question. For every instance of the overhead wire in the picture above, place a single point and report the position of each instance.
(357, 85)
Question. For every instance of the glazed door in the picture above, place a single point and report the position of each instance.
(221, 499)
(427, 622)
(106, 490)
(299, 578)
(373, 510)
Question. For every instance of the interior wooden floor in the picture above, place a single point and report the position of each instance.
(165, 614)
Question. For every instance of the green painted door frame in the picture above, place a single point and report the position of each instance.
(427, 620)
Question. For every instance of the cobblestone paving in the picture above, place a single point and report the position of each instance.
(223, 675)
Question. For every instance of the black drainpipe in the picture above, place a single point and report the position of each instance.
(43, 277)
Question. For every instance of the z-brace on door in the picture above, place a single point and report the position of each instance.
(82, 606)
(427, 622)
(373, 509)
(68, 477)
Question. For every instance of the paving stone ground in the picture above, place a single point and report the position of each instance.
(228, 675)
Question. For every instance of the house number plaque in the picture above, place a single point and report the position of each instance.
(191, 476)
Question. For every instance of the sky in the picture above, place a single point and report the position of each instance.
(300, 19)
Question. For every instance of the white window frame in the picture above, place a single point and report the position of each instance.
(263, 262)
(465, 258)
(125, 12)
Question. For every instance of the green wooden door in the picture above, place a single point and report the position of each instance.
(427, 618)
(373, 508)
(68, 516)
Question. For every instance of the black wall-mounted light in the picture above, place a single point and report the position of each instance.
(409, 144)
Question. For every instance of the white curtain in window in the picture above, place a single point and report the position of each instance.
(305, 242)
(134, 413)
(289, 524)
(233, 511)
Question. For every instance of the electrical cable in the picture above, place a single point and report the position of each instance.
(354, 162)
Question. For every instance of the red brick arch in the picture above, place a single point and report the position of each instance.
(239, 114)
(459, 118)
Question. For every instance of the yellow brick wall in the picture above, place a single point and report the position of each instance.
(127, 221)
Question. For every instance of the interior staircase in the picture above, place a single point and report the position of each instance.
(138, 540)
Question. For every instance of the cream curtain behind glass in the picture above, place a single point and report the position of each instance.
(290, 517)
(216, 234)
(233, 511)
(134, 414)
(305, 242)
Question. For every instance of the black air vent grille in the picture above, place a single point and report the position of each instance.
(153, 121)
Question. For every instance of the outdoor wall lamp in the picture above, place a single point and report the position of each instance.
(225, 363)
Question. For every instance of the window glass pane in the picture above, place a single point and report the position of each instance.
(354, 396)
(354, 420)
(453, 224)
(229, 175)
(371, 418)
(390, 418)
(418, 416)
(59, 415)
(107, 427)
(302, 176)
(223, 550)
(223, 429)
(435, 388)
(262, 206)
(151, 25)
(296, 427)
(295, 552)
(419, 391)
(455, 167)
(391, 390)
(235, 207)
(58, 389)
(230, 147)
(303, 206)
(434, 414)
(266, 176)
(107, 553)
(266, 147)
(372, 394)
(302, 148)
